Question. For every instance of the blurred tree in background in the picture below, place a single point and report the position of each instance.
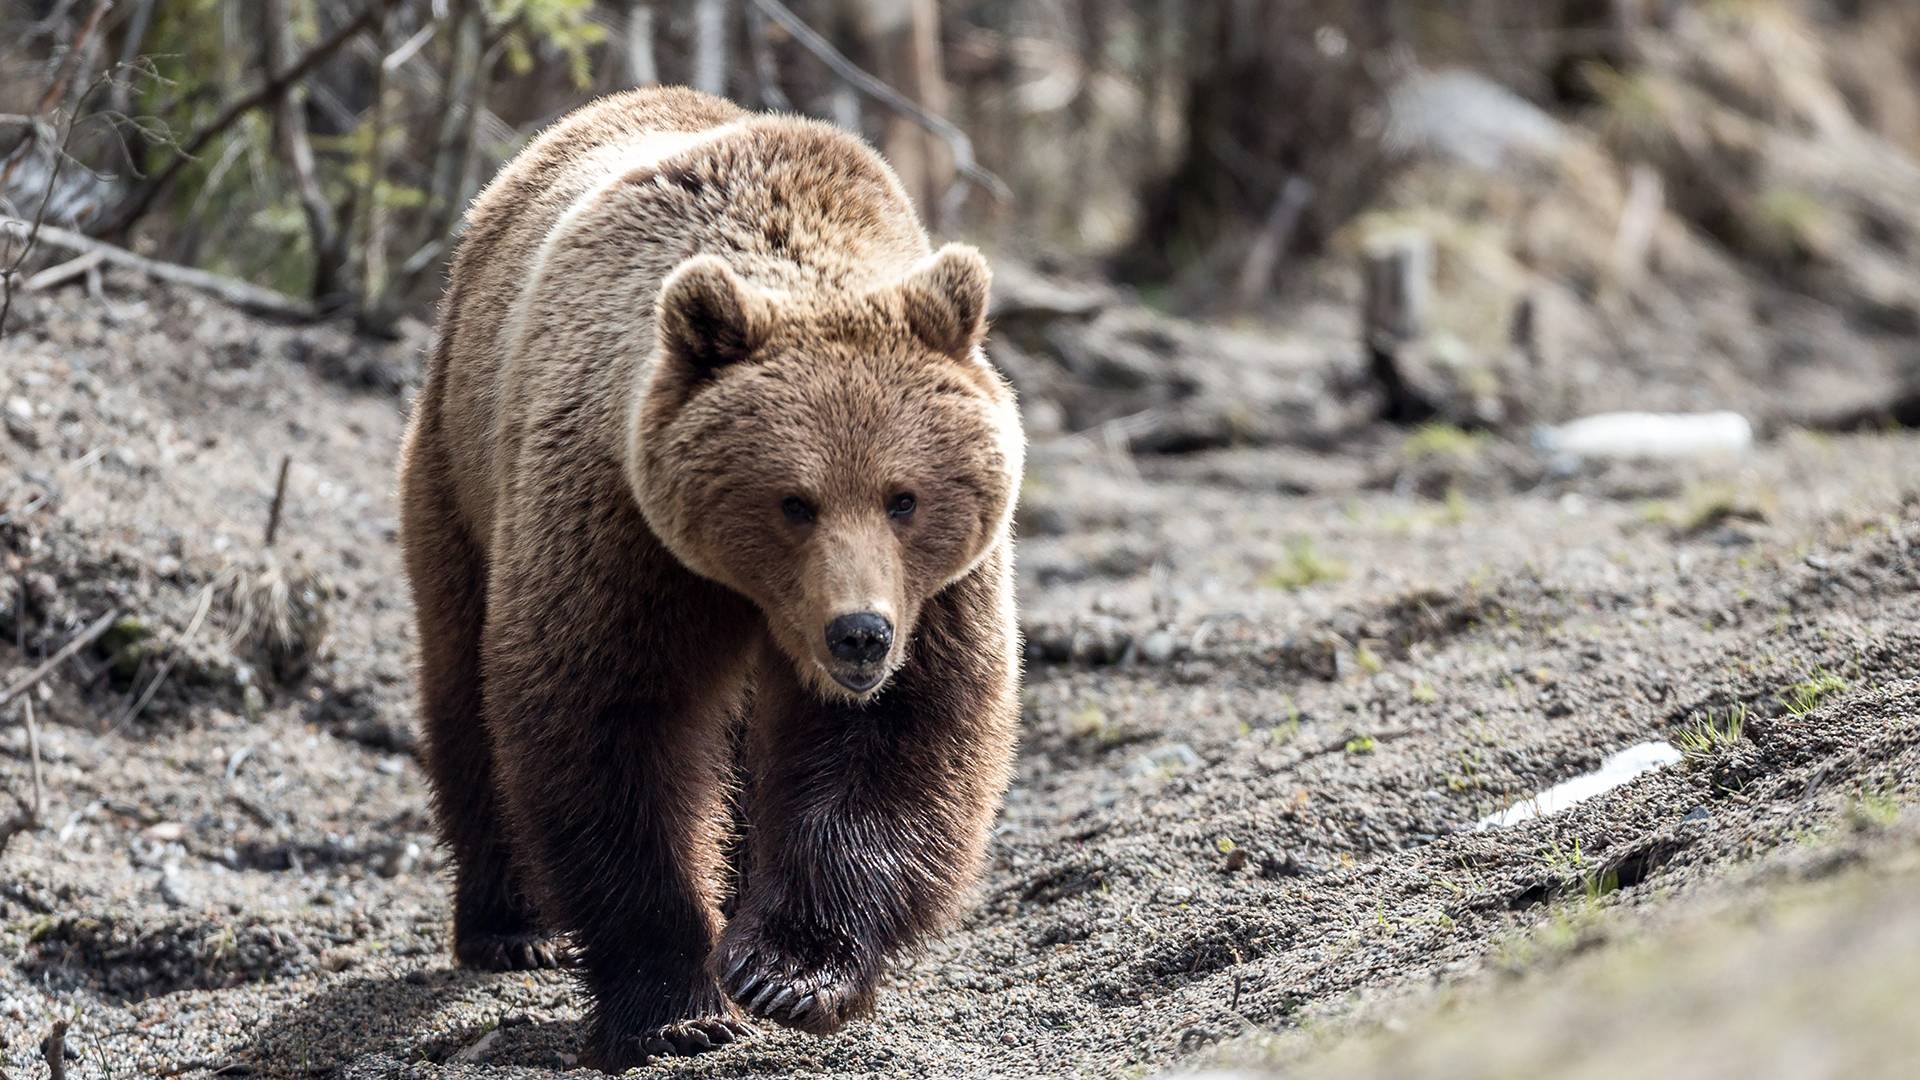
(326, 148)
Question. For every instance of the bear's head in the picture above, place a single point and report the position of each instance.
(837, 460)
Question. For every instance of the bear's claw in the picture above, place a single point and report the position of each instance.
(687, 1037)
(511, 952)
(814, 1001)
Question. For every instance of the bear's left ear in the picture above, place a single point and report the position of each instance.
(946, 300)
(708, 318)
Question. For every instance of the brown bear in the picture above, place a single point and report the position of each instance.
(707, 503)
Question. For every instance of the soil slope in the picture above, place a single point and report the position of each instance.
(1270, 694)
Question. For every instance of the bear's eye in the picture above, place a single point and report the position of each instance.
(901, 506)
(797, 510)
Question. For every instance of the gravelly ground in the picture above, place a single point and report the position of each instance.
(1270, 693)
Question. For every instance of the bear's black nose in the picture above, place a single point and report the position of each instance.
(859, 639)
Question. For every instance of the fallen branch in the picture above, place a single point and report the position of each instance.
(268, 92)
(860, 79)
(65, 272)
(240, 294)
(80, 641)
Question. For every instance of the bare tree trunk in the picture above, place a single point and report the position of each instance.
(844, 106)
(899, 41)
(77, 61)
(1274, 93)
(330, 272)
(130, 44)
(641, 69)
(710, 46)
(459, 113)
(1398, 273)
(457, 143)
(373, 221)
(923, 77)
(766, 66)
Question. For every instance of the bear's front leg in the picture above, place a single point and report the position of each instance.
(607, 696)
(868, 820)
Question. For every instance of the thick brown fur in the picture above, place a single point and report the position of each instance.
(672, 326)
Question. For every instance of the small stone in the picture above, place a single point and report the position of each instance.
(176, 892)
(165, 831)
(400, 860)
(1157, 647)
(19, 421)
(1177, 758)
(1099, 640)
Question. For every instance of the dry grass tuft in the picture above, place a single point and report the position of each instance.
(276, 614)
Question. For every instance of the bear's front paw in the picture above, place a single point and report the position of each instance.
(509, 952)
(818, 999)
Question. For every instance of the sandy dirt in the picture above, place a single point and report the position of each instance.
(1800, 965)
(1270, 692)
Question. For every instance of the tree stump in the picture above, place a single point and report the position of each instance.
(1398, 270)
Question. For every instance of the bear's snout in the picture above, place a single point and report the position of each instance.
(861, 642)
(860, 639)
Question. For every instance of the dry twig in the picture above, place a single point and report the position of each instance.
(54, 1049)
(32, 232)
(39, 804)
(166, 666)
(80, 641)
(279, 499)
(30, 815)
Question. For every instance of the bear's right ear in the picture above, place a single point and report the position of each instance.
(708, 318)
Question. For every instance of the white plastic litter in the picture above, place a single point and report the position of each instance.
(1617, 769)
(1648, 435)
